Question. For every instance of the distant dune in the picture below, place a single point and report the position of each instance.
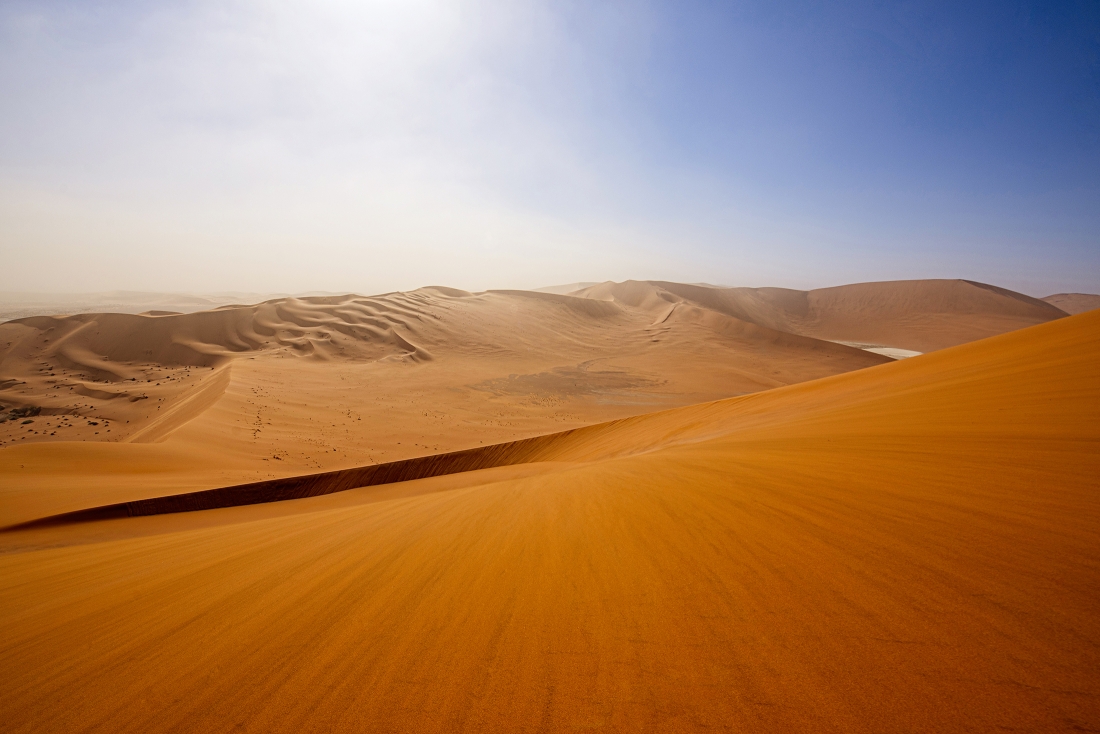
(245, 393)
(1074, 302)
(918, 315)
(566, 289)
(910, 547)
(378, 378)
(16, 305)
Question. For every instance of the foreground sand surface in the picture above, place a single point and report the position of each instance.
(909, 547)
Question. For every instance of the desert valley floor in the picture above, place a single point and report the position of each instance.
(643, 506)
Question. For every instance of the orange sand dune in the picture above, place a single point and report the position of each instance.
(919, 315)
(911, 547)
(1074, 302)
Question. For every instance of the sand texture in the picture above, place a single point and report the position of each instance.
(909, 547)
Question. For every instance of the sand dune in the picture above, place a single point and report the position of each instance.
(911, 547)
(118, 376)
(378, 378)
(917, 315)
(1074, 302)
(243, 394)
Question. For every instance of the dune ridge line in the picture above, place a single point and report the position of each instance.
(510, 453)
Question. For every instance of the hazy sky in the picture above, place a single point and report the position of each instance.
(375, 146)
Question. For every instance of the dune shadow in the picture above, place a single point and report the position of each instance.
(538, 448)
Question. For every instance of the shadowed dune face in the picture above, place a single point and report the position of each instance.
(911, 547)
(918, 315)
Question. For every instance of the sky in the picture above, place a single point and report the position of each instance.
(380, 145)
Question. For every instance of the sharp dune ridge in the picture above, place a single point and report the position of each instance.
(899, 546)
(303, 385)
(551, 447)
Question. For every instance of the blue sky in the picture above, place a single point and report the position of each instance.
(373, 146)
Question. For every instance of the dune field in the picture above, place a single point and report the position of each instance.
(645, 506)
(137, 405)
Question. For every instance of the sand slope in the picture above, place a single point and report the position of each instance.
(1074, 302)
(919, 315)
(911, 547)
(132, 406)
(294, 385)
(501, 364)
